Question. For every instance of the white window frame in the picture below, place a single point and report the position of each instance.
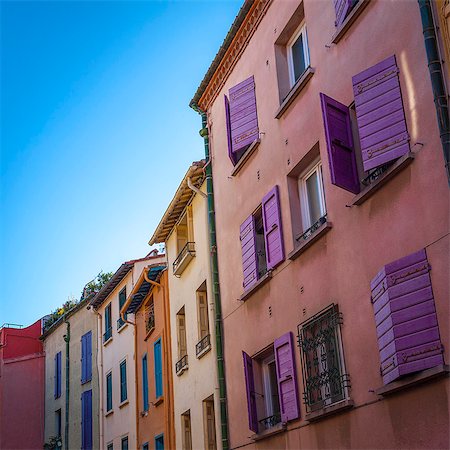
(300, 31)
(303, 192)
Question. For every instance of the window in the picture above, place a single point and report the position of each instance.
(58, 375)
(86, 357)
(204, 341)
(122, 300)
(124, 443)
(109, 400)
(209, 424)
(159, 442)
(186, 426)
(123, 381)
(149, 316)
(185, 242)
(110, 446)
(145, 446)
(312, 197)
(343, 8)
(86, 420)
(262, 240)
(181, 364)
(298, 54)
(145, 382)
(324, 378)
(271, 385)
(108, 323)
(158, 368)
(58, 423)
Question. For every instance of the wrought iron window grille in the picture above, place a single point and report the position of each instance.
(376, 173)
(324, 378)
(150, 323)
(188, 249)
(269, 422)
(107, 334)
(312, 229)
(120, 322)
(202, 344)
(181, 364)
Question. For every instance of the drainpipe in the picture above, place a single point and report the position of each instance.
(66, 428)
(437, 79)
(100, 375)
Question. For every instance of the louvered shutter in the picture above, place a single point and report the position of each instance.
(380, 114)
(287, 378)
(405, 317)
(243, 116)
(58, 375)
(228, 124)
(158, 368)
(83, 358)
(273, 232)
(339, 139)
(203, 314)
(145, 383)
(250, 389)
(342, 8)
(89, 356)
(248, 245)
(182, 335)
(86, 420)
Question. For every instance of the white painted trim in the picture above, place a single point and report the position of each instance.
(300, 31)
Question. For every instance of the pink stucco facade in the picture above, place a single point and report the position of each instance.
(408, 213)
(21, 388)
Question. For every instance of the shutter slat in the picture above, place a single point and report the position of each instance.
(339, 139)
(248, 245)
(342, 8)
(380, 114)
(250, 390)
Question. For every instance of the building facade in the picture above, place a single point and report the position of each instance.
(116, 357)
(332, 218)
(71, 381)
(21, 387)
(149, 303)
(184, 230)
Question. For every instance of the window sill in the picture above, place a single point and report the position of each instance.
(124, 403)
(159, 400)
(279, 428)
(302, 247)
(397, 167)
(329, 410)
(296, 89)
(356, 11)
(245, 157)
(204, 351)
(414, 379)
(107, 341)
(108, 413)
(119, 330)
(261, 282)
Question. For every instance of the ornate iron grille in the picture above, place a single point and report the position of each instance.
(107, 334)
(314, 227)
(120, 323)
(149, 317)
(376, 173)
(322, 359)
(189, 248)
(202, 344)
(269, 422)
(181, 364)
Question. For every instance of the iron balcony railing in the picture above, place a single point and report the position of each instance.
(120, 323)
(187, 251)
(181, 364)
(271, 421)
(312, 229)
(203, 344)
(107, 334)
(150, 323)
(376, 173)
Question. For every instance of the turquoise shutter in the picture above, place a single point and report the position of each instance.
(158, 368)
(145, 382)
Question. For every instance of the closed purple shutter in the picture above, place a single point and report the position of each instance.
(287, 379)
(342, 8)
(380, 114)
(86, 420)
(250, 389)
(273, 232)
(405, 317)
(243, 116)
(341, 151)
(83, 358)
(248, 245)
(227, 120)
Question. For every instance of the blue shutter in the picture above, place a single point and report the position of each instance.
(86, 420)
(109, 392)
(145, 382)
(89, 356)
(83, 359)
(123, 381)
(158, 369)
(159, 442)
(58, 375)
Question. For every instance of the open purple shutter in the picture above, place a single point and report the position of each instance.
(273, 232)
(228, 123)
(341, 151)
(405, 317)
(342, 8)
(287, 379)
(243, 116)
(248, 245)
(250, 388)
(380, 114)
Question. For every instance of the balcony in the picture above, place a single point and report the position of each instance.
(181, 365)
(150, 324)
(120, 322)
(203, 346)
(184, 258)
(107, 335)
(269, 422)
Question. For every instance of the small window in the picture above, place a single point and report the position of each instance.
(185, 242)
(123, 381)
(182, 363)
(122, 300)
(108, 323)
(110, 446)
(204, 341)
(159, 442)
(186, 426)
(145, 446)
(58, 376)
(109, 400)
(145, 382)
(124, 443)
(158, 368)
(58, 423)
(209, 424)
(149, 316)
(312, 197)
(298, 54)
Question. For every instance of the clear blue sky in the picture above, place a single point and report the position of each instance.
(96, 134)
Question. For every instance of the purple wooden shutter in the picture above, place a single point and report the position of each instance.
(287, 379)
(342, 8)
(88, 356)
(273, 232)
(380, 114)
(86, 420)
(243, 116)
(228, 123)
(250, 389)
(83, 358)
(248, 245)
(341, 152)
(405, 317)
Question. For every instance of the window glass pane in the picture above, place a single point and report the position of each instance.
(125, 443)
(298, 57)
(274, 388)
(312, 190)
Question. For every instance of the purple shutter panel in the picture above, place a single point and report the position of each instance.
(228, 123)
(83, 358)
(243, 116)
(86, 420)
(339, 138)
(405, 317)
(248, 245)
(342, 8)
(273, 232)
(287, 379)
(250, 389)
(89, 356)
(56, 376)
(380, 114)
